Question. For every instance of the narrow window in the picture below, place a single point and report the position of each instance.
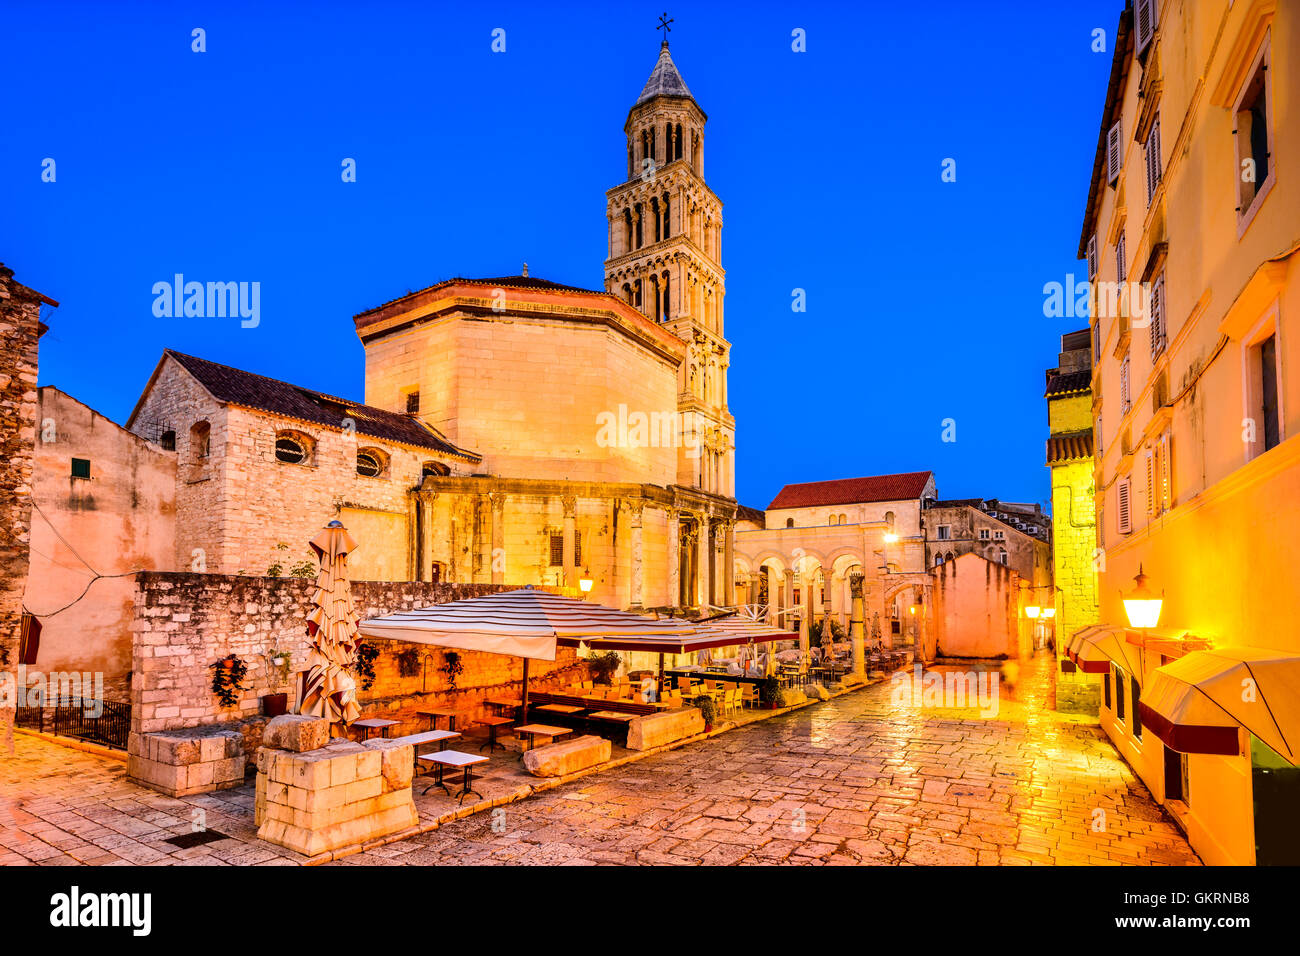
(789, 522)
(1124, 518)
(1124, 403)
(1253, 136)
(168, 440)
(1154, 167)
(1002, 557)
(1135, 690)
(1157, 317)
(413, 402)
(1114, 153)
(1266, 355)
(557, 550)
(1106, 689)
(1119, 694)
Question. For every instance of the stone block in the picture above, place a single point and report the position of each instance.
(654, 730)
(569, 756)
(296, 732)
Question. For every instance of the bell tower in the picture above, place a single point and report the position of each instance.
(665, 234)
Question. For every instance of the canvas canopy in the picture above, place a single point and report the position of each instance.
(1197, 703)
(1095, 648)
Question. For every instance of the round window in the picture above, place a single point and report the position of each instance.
(368, 465)
(290, 451)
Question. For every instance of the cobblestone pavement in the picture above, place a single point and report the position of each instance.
(859, 780)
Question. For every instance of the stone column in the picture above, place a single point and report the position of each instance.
(674, 557)
(808, 581)
(637, 595)
(427, 498)
(689, 574)
(722, 575)
(787, 596)
(856, 625)
(702, 559)
(498, 555)
(570, 541)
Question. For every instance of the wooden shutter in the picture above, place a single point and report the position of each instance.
(1125, 518)
(1157, 317)
(1153, 158)
(1164, 489)
(1124, 385)
(1121, 259)
(1151, 484)
(1092, 258)
(1144, 22)
(1114, 153)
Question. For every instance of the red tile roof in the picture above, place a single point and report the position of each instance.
(1073, 446)
(237, 387)
(851, 491)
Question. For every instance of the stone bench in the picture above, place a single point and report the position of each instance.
(183, 762)
(654, 730)
(569, 756)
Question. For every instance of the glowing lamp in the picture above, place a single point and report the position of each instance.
(1032, 611)
(890, 538)
(1049, 612)
(1141, 604)
(585, 583)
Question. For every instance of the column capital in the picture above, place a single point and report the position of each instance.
(498, 499)
(570, 503)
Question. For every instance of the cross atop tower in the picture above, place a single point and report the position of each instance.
(664, 20)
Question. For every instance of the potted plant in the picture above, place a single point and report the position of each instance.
(603, 666)
(768, 692)
(278, 666)
(708, 710)
(453, 667)
(228, 679)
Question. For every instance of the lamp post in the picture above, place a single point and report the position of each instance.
(585, 583)
(1141, 605)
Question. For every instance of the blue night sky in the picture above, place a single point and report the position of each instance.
(925, 298)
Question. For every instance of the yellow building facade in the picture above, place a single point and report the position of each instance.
(1191, 233)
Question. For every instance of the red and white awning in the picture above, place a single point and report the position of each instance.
(1096, 647)
(1199, 703)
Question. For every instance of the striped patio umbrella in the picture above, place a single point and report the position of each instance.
(329, 689)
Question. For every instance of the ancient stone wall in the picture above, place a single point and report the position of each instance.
(186, 622)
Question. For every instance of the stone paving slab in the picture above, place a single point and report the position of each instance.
(859, 780)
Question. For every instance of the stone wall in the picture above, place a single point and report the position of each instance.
(186, 622)
(976, 607)
(19, 332)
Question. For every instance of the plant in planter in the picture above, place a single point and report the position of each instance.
(453, 667)
(279, 665)
(228, 679)
(768, 692)
(603, 666)
(408, 662)
(708, 710)
(366, 655)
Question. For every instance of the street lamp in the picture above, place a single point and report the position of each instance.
(1141, 604)
(1032, 611)
(1049, 612)
(585, 581)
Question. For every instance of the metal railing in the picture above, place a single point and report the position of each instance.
(73, 718)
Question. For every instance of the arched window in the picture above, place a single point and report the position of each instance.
(789, 522)
(834, 519)
(654, 301)
(292, 448)
(949, 556)
(938, 560)
(200, 441)
(665, 313)
(889, 520)
(434, 469)
(371, 463)
(844, 519)
(654, 211)
(677, 147)
(639, 220)
(665, 205)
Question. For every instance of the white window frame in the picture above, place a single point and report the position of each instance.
(1263, 58)
(1251, 400)
(999, 536)
(943, 532)
(984, 534)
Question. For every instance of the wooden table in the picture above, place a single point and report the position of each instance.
(560, 710)
(454, 759)
(612, 715)
(374, 723)
(502, 706)
(533, 731)
(492, 723)
(438, 712)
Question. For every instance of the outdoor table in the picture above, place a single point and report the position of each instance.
(533, 731)
(492, 723)
(611, 715)
(438, 712)
(502, 707)
(559, 710)
(374, 723)
(454, 759)
(440, 737)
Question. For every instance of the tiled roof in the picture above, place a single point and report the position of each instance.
(851, 491)
(504, 282)
(1066, 383)
(745, 513)
(664, 79)
(1072, 446)
(237, 387)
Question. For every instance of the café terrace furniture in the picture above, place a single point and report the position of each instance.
(440, 737)
(454, 760)
(501, 706)
(493, 724)
(436, 713)
(370, 724)
(532, 731)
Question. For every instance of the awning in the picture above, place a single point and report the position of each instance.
(521, 623)
(1198, 703)
(1096, 647)
(700, 637)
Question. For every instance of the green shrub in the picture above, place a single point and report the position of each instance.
(603, 666)
(708, 709)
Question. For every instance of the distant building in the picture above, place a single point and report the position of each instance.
(1074, 533)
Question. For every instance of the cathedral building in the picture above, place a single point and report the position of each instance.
(514, 430)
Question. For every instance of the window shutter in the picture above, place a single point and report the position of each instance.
(1121, 259)
(1114, 154)
(1125, 518)
(1165, 487)
(1092, 258)
(1151, 484)
(1124, 385)
(1153, 158)
(1144, 20)
(1157, 317)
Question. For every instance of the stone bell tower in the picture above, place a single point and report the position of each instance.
(665, 234)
